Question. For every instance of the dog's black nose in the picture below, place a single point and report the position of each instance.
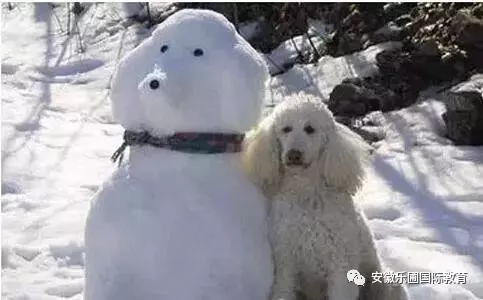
(154, 84)
(294, 157)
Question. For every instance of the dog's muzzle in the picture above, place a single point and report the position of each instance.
(294, 157)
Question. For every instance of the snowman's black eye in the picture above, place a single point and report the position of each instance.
(164, 48)
(198, 52)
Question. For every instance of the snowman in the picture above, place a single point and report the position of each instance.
(178, 219)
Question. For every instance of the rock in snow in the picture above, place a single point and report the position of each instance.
(464, 115)
(171, 225)
(356, 97)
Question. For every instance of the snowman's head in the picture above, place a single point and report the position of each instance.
(195, 73)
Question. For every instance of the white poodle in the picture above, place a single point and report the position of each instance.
(311, 166)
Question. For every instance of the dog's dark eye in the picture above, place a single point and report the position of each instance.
(309, 129)
(164, 48)
(286, 129)
(198, 52)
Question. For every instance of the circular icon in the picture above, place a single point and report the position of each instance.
(356, 277)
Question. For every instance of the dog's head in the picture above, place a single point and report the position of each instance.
(302, 130)
(301, 135)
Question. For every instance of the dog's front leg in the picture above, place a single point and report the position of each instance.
(284, 283)
(340, 289)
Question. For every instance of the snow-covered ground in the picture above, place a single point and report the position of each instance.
(423, 197)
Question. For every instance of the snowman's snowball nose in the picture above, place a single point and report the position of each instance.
(154, 84)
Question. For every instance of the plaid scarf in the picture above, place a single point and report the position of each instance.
(189, 142)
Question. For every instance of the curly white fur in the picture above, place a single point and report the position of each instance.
(317, 233)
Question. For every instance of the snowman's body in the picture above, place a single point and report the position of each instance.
(174, 225)
(170, 225)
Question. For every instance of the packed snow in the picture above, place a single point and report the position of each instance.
(423, 196)
(168, 220)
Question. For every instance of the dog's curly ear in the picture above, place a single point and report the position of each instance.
(261, 157)
(344, 158)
